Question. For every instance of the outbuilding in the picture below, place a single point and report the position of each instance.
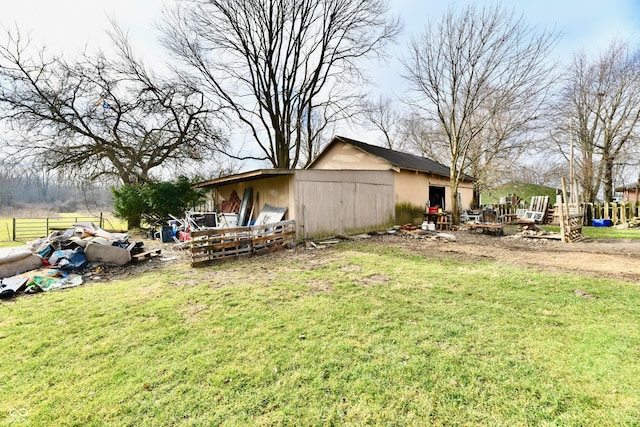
(417, 180)
(322, 202)
(351, 187)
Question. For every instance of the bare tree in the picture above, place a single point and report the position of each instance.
(541, 171)
(576, 128)
(471, 71)
(280, 66)
(599, 111)
(424, 138)
(386, 119)
(94, 117)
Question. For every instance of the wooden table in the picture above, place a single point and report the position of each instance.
(440, 220)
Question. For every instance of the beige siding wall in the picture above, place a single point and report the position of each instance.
(346, 156)
(413, 187)
(326, 202)
(466, 193)
(330, 202)
(275, 191)
(410, 186)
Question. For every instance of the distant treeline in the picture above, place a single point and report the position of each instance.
(20, 191)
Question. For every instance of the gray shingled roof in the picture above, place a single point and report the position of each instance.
(402, 160)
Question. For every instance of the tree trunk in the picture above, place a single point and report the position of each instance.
(607, 180)
(283, 159)
(455, 209)
(133, 222)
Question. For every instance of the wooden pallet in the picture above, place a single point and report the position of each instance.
(539, 203)
(145, 255)
(208, 246)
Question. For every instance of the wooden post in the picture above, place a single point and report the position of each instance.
(563, 235)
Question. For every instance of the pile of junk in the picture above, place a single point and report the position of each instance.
(178, 230)
(59, 260)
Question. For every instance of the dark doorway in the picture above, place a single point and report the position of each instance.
(436, 197)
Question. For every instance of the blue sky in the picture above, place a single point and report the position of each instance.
(584, 24)
(66, 26)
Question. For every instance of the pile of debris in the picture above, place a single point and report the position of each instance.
(59, 260)
(179, 230)
(630, 223)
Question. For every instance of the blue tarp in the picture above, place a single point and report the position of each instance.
(69, 259)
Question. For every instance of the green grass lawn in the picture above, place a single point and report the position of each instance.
(360, 335)
(602, 232)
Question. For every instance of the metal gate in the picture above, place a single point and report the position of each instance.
(32, 228)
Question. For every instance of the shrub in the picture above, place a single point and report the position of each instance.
(155, 202)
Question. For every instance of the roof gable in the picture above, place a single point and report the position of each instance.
(395, 158)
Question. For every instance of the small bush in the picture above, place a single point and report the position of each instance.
(155, 202)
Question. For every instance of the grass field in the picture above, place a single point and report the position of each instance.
(602, 232)
(6, 224)
(360, 335)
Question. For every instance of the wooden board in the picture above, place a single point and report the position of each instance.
(247, 197)
(224, 243)
(145, 255)
(553, 236)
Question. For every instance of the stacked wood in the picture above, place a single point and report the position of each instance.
(549, 217)
(217, 244)
(573, 209)
(570, 223)
(631, 223)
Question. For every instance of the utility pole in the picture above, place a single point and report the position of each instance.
(573, 196)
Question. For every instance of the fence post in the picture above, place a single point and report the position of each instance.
(14, 230)
(101, 221)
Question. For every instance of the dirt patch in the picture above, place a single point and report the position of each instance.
(373, 279)
(611, 258)
(318, 286)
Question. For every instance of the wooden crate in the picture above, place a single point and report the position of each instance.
(218, 244)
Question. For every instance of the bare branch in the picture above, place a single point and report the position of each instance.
(95, 116)
(276, 63)
(481, 77)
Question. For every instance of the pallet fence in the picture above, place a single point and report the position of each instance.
(617, 212)
(218, 244)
